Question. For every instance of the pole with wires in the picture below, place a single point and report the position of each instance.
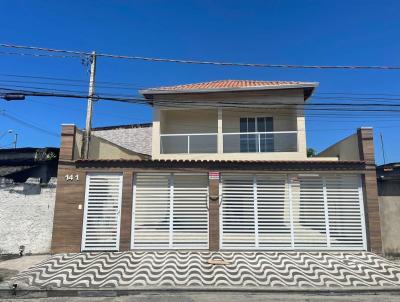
(89, 111)
(15, 140)
(383, 149)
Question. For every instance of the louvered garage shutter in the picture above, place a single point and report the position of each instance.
(101, 227)
(273, 211)
(151, 215)
(170, 211)
(308, 212)
(346, 215)
(237, 213)
(264, 211)
(190, 215)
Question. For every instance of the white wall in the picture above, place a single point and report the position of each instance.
(26, 219)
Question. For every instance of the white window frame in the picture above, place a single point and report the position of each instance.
(256, 131)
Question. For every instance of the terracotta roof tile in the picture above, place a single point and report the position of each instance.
(226, 84)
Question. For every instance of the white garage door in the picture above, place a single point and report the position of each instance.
(170, 211)
(264, 211)
(102, 213)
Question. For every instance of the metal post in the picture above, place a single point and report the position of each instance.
(383, 149)
(255, 209)
(15, 141)
(86, 138)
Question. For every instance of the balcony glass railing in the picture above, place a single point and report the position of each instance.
(251, 142)
(278, 141)
(188, 143)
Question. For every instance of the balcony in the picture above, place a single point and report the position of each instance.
(260, 142)
(243, 142)
(188, 143)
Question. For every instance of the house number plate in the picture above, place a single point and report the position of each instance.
(72, 177)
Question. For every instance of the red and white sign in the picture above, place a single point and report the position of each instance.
(213, 175)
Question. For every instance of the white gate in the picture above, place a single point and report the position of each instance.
(170, 211)
(101, 226)
(265, 211)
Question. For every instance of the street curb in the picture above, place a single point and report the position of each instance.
(115, 292)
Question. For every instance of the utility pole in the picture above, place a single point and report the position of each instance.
(86, 137)
(383, 149)
(15, 140)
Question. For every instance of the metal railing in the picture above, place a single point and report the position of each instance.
(260, 142)
(188, 143)
(250, 142)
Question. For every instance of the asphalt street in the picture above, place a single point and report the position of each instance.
(222, 297)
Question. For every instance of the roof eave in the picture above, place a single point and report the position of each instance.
(302, 165)
(307, 87)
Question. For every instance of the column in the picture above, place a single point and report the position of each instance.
(220, 138)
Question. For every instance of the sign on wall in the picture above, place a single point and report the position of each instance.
(213, 175)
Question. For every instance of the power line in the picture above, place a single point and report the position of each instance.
(194, 103)
(320, 96)
(71, 53)
(134, 86)
(312, 116)
(28, 124)
(381, 101)
(131, 88)
(80, 110)
(131, 95)
(288, 117)
(35, 55)
(359, 93)
(69, 84)
(55, 134)
(170, 103)
(355, 98)
(12, 87)
(7, 145)
(131, 85)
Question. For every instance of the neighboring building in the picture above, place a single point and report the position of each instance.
(27, 198)
(222, 167)
(389, 206)
(389, 180)
(23, 163)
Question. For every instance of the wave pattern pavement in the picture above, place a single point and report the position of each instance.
(183, 269)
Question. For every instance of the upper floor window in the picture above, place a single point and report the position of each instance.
(254, 137)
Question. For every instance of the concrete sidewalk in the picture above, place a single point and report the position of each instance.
(192, 270)
(9, 268)
(221, 297)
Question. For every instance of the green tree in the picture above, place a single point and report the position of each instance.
(311, 152)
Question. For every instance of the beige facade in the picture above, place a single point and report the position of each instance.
(262, 167)
(100, 148)
(346, 149)
(186, 124)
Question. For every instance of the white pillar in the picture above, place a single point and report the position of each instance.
(301, 134)
(220, 137)
(155, 149)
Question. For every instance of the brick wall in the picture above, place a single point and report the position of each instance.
(370, 189)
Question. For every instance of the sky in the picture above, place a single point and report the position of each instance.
(271, 32)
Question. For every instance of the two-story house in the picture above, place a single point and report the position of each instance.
(223, 166)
